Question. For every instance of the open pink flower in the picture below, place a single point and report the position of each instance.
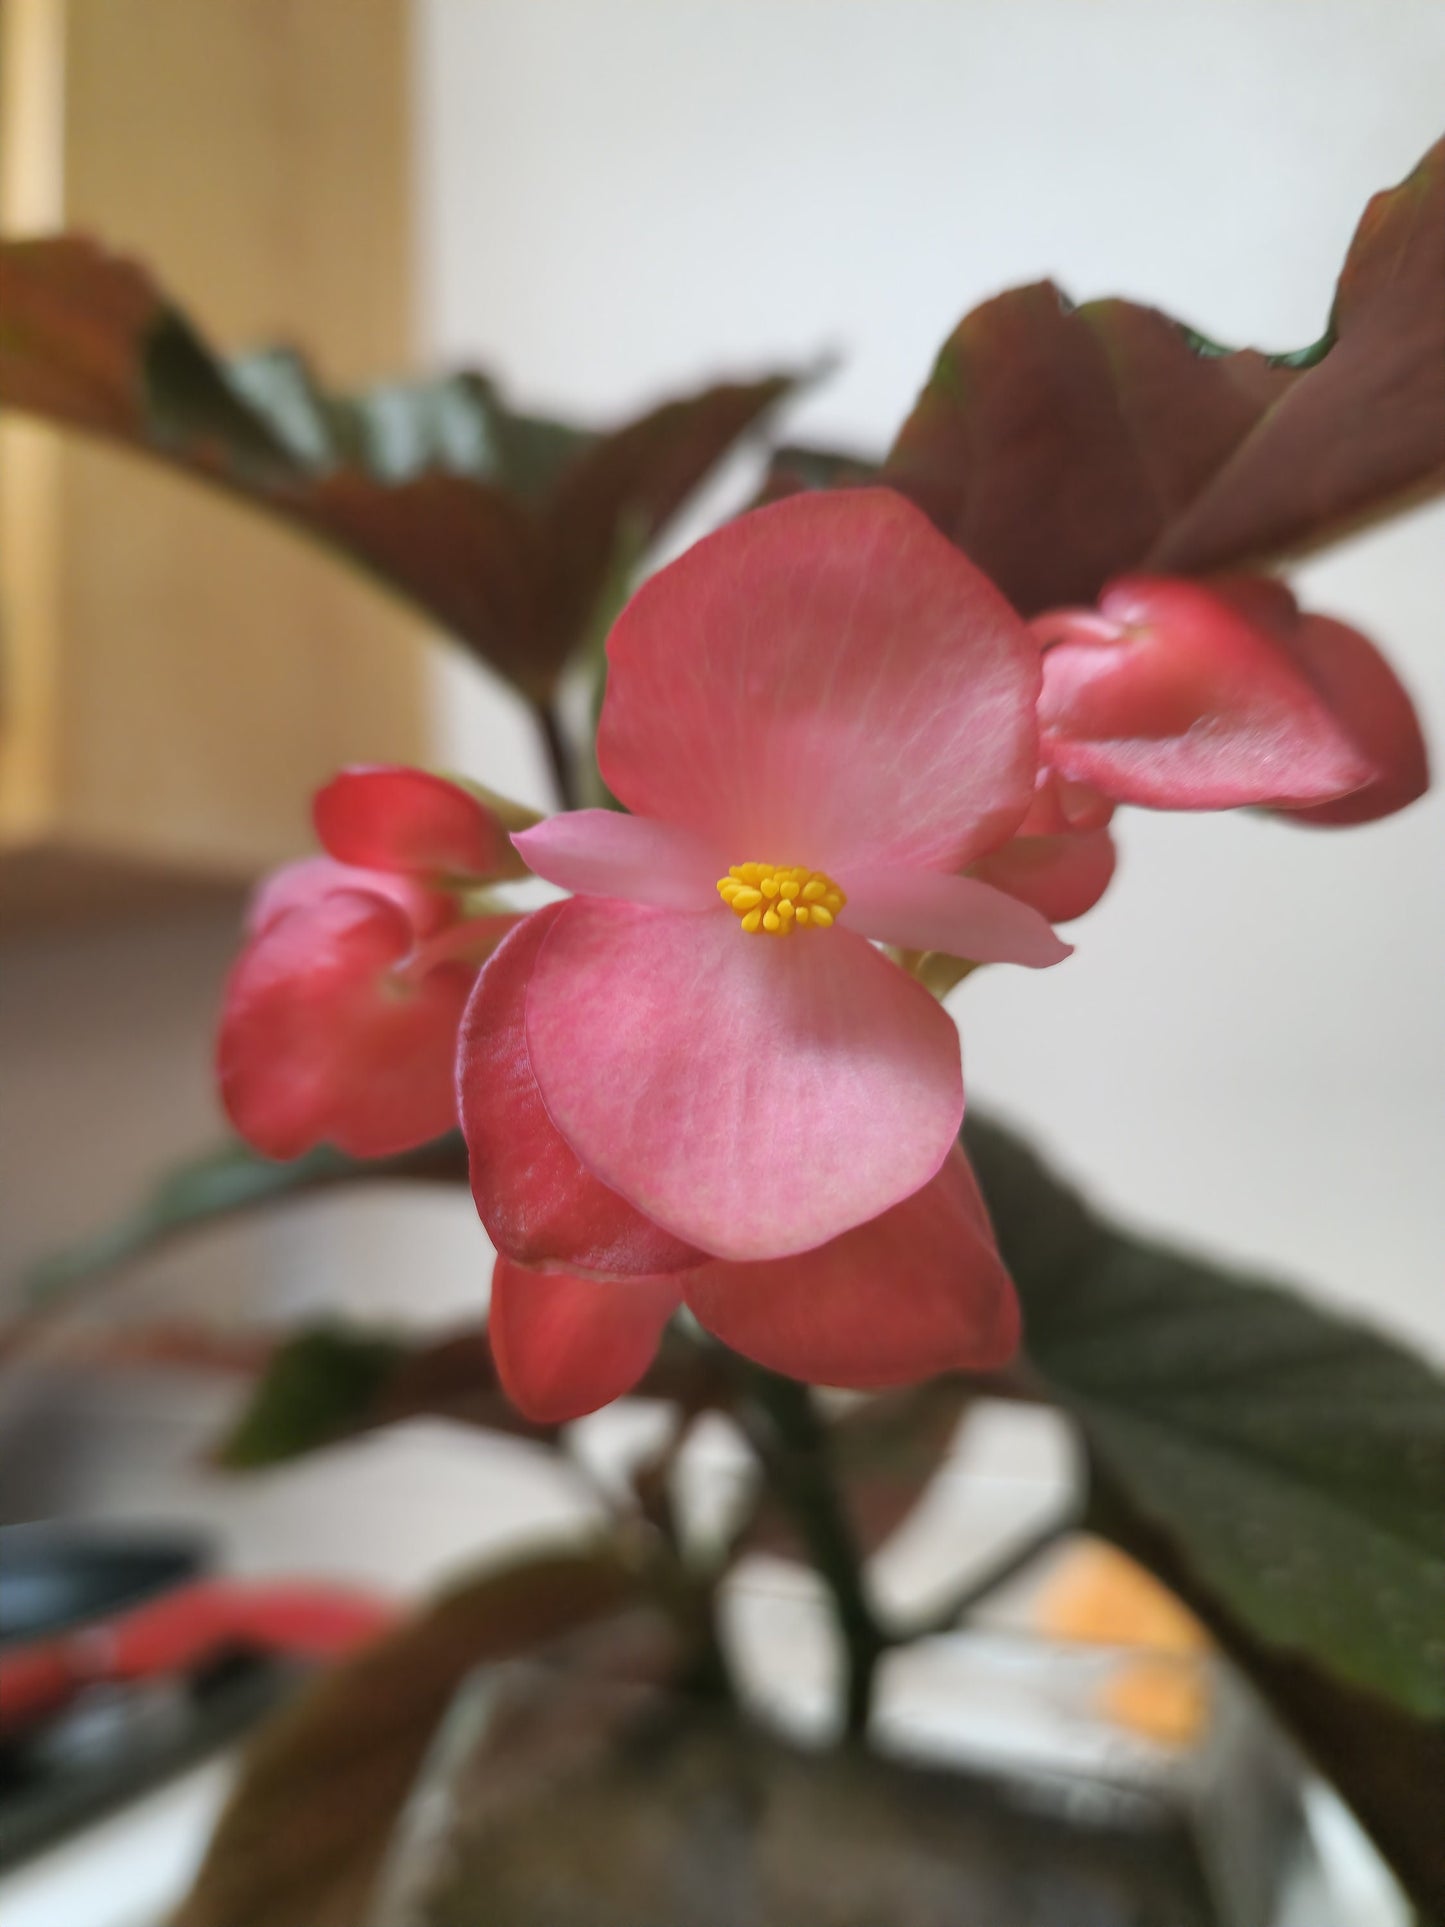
(820, 716)
(584, 1284)
(340, 1017)
(920, 1290)
(1185, 695)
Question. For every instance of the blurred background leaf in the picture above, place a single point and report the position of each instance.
(217, 1185)
(1282, 1469)
(499, 525)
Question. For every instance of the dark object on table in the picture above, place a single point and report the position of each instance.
(122, 1663)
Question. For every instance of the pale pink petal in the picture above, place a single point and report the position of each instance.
(601, 853)
(538, 1202)
(1188, 704)
(920, 1290)
(824, 680)
(925, 910)
(754, 1095)
(1061, 876)
(564, 1346)
(298, 884)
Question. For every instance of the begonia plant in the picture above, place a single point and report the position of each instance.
(868, 736)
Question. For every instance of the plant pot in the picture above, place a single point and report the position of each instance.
(561, 1795)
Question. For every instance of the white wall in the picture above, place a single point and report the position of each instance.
(628, 195)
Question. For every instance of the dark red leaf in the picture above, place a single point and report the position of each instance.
(503, 528)
(1061, 446)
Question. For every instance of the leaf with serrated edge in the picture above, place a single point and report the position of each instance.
(1062, 445)
(1297, 1458)
(499, 525)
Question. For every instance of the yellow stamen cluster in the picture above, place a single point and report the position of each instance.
(777, 899)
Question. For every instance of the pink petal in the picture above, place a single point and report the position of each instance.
(1061, 807)
(564, 1346)
(1188, 703)
(1368, 698)
(755, 1095)
(407, 820)
(324, 1040)
(540, 1205)
(307, 881)
(925, 910)
(823, 680)
(602, 853)
(1061, 876)
(920, 1290)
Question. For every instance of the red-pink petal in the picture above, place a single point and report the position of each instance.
(565, 1346)
(920, 1290)
(1060, 808)
(1371, 703)
(755, 1095)
(298, 884)
(1188, 703)
(602, 853)
(539, 1203)
(388, 817)
(1061, 876)
(322, 1041)
(925, 910)
(824, 680)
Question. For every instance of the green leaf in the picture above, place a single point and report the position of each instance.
(1388, 1764)
(320, 1386)
(499, 525)
(221, 1184)
(332, 1382)
(1061, 445)
(304, 1833)
(1299, 1458)
(1283, 1469)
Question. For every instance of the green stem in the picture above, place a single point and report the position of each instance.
(559, 756)
(793, 1446)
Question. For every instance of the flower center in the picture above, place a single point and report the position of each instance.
(777, 898)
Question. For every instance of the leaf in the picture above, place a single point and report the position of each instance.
(1059, 445)
(319, 1386)
(1388, 1765)
(305, 1831)
(1281, 1468)
(631, 483)
(498, 525)
(332, 1382)
(221, 1184)
(1299, 1458)
(794, 468)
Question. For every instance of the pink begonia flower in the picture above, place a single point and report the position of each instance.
(921, 1289)
(820, 716)
(340, 1016)
(584, 1284)
(1190, 696)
